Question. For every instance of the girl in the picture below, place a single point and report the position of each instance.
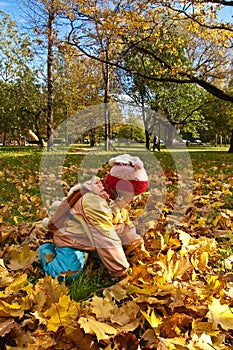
(94, 217)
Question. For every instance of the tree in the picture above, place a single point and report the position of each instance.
(16, 58)
(78, 86)
(218, 116)
(87, 29)
(207, 48)
(15, 50)
(180, 104)
(32, 107)
(190, 46)
(43, 16)
(136, 88)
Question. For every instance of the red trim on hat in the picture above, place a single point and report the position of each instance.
(138, 186)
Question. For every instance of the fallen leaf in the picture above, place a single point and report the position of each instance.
(102, 330)
(17, 283)
(126, 316)
(209, 328)
(102, 307)
(126, 341)
(173, 325)
(220, 314)
(82, 340)
(62, 314)
(117, 291)
(10, 310)
(152, 318)
(41, 342)
(22, 258)
(6, 326)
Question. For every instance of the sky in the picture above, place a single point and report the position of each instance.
(12, 7)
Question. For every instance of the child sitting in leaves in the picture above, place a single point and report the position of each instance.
(94, 217)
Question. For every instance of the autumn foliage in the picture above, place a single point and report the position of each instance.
(177, 296)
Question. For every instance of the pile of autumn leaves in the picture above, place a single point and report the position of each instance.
(178, 296)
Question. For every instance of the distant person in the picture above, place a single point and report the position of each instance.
(156, 143)
(94, 217)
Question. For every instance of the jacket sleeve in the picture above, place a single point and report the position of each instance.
(129, 235)
(107, 242)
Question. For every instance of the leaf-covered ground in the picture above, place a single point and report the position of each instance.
(179, 294)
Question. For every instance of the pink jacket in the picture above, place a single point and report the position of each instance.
(98, 224)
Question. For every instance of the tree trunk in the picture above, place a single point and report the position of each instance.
(92, 137)
(50, 81)
(147, 139)
(106, 100)
(38, 129)
(4, 138)
(231, 143)
(106, 123)
(147, 132)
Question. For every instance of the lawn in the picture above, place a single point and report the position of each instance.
(179, 293)
(20, 198)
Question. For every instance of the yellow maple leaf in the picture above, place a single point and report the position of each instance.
(44, 342)
(117, 291)
(17, 283)
(126, 316)
(5, 278)
(62, 313)
(22, 259)
(184, 237)
(203, 341)
(220, 314)
(226, 191)
(8, 310)
(173, 266)
(152, 318)
(201, 222)
(102, 308)
(223, 220)
(146, 290)
(209, 328)
(38, 316)
(217, 204)
(100, 329)
(48, 290)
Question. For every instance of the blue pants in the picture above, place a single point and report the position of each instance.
(65, 259)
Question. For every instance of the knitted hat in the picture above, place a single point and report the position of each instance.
(127, 174)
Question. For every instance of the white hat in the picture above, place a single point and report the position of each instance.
(129, 169)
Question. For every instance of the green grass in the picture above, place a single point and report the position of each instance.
(88, 283)
(20, 166)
